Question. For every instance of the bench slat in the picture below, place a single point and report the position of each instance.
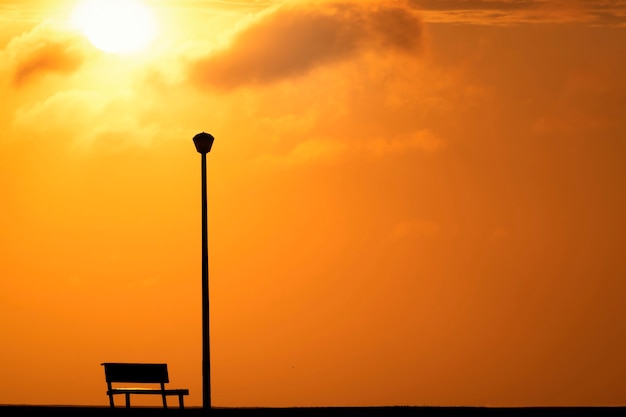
(136, 372)
(168, 391)
(116, 372)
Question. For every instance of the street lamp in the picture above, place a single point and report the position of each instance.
(203, 142)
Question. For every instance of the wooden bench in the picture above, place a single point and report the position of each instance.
(140, 373)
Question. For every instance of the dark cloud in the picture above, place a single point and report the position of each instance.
(476, 4)
(293, 40)
(42, 51)
(52, 57)
(595, 12)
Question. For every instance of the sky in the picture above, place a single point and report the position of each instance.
(411, 202)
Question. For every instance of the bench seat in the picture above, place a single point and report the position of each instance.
(140, 373)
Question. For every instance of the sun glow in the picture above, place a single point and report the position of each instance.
(116, 26)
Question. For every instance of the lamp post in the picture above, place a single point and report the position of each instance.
(203, 142)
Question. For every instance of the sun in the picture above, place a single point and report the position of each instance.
(116, 26)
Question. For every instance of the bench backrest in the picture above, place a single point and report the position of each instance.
(136, 372)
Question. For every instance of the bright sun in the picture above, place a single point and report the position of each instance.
(116, 26)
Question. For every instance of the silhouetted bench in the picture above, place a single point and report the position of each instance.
(144, 373)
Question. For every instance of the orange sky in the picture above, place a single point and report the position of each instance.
(410, 202)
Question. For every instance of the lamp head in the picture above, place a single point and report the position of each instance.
(203, 142)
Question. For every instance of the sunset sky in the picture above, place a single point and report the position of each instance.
(411, 202)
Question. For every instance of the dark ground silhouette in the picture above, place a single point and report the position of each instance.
(75, 411)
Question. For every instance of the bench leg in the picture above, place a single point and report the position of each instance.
(127, 400)
(164, 401)
(111, 402)
(181, 402)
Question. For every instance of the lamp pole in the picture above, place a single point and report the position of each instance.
(203, 142)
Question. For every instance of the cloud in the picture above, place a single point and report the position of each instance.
(423, 140)
(24, 11)
(510, 12)
(310, 151)
(106, 122)
(44, 50)
(332, 151)
(291, 40)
